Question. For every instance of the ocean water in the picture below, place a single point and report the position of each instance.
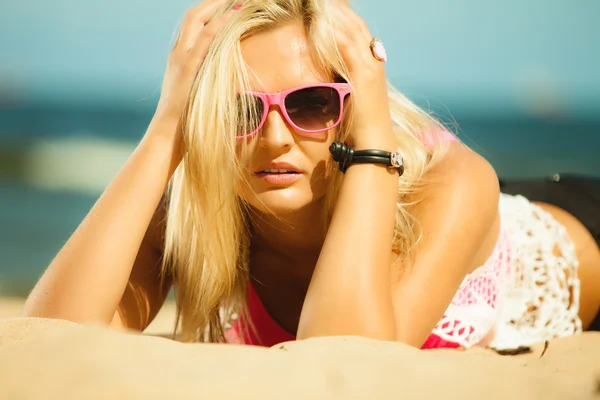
(35, 223)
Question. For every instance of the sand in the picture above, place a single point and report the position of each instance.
(51, 359)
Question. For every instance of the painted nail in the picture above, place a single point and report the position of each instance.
(237, 7)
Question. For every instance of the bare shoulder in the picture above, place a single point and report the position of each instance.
(464, 176)
(456, 210)
(458, 199)
(462, 164)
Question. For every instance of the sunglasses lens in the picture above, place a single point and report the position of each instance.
(250, 114)
(313, 109)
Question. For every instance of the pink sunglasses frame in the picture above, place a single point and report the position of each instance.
(271, 99)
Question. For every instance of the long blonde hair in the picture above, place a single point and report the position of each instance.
(207, 234)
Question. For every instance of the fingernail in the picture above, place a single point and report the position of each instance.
(237, 7)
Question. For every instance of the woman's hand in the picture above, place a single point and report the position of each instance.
(196, 34)
(372, 124)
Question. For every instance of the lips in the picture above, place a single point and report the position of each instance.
(279, 167)
(280, 174)
(277, 171)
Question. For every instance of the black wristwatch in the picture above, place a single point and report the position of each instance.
(346, 156)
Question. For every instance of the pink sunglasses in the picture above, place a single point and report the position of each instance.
(309, 109)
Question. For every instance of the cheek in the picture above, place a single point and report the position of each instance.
(321, 168)
(318, 150)
(320, 160)
(319, 154)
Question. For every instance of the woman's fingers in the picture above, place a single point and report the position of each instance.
(208, 33)
(194, 21)
(355, 24)
(196, 35)
(205, 11)
(367, 74)
(354, 38)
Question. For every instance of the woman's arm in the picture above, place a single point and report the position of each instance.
(355, 292)
(349, 293)
(93, 275)
(146, 289)
(459, 221)
(87, 279)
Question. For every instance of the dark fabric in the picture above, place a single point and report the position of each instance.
(579, 195)
(595, 326)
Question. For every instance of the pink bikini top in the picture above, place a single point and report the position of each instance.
(468, 320)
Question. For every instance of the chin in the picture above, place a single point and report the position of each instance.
(285, 201)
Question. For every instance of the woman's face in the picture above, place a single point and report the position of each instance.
(279, 60)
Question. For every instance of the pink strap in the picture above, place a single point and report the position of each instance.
(271, 333)
(435, 342)
(436, 138)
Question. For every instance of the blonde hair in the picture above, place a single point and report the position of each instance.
(207, 233)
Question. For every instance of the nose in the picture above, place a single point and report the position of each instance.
(275, 132)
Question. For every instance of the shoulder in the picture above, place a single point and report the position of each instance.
(455, 207)
(464, 178)
(458, 197)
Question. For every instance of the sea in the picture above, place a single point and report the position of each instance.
(35, 221)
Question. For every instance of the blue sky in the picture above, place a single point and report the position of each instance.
(482, 56)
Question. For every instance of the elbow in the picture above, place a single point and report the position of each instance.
(382, 335)
(411, 337)
(47, 310)
(383, 329)
(41, 309)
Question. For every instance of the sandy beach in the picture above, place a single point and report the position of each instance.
(47, 359)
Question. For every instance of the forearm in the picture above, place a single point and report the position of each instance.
(349, 293)
(86, 280)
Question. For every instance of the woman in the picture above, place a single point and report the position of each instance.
(260, 221)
